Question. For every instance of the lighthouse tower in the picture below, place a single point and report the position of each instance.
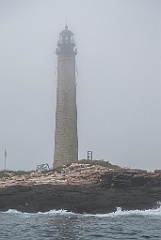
(66, 141)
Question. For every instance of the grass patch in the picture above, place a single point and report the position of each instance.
(9, 173)
(91, 162)
(100, 163)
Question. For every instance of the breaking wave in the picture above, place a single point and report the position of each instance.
(119, 212)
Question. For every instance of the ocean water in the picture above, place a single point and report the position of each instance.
(65, 225)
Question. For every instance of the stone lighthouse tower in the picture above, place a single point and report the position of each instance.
(66, 141)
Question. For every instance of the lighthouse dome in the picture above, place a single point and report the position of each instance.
(66, 36)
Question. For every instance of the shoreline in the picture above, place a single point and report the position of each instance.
(118, 211)
(81, 188)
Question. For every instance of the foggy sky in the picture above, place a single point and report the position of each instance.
(118, 83)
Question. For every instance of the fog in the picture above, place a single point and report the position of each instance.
(118, 82)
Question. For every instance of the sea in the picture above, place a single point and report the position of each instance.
(61, 224)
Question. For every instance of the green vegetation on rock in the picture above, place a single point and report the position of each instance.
(9, 173)
(99, 162)
(91, 162)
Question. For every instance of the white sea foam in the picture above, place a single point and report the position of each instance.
(54, 212)
(51, 212)
(119, 212)
(12, 211)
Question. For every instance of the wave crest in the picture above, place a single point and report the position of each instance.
(119, 212)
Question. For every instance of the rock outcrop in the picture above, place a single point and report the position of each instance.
(81, 188)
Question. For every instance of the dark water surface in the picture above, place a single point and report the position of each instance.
(63, 225)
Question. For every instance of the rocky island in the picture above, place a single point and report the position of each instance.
(81, 188)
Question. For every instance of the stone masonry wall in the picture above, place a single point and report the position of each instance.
(66, 143)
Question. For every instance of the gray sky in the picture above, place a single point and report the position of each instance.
(118, 83)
